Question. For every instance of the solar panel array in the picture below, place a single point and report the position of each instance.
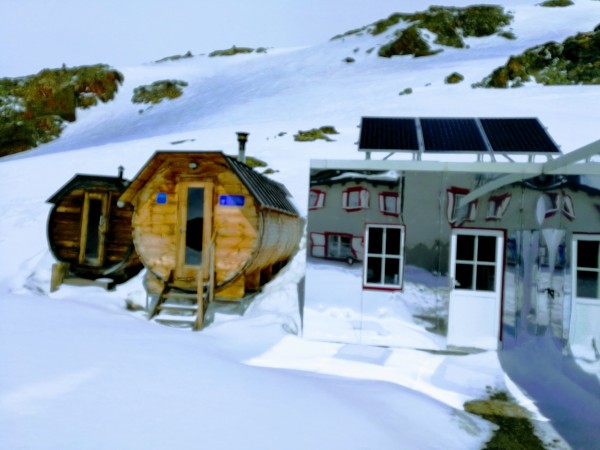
(456, 135)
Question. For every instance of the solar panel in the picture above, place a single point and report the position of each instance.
(452, 135)
(456, 135)
(518, 136)
(384, 133)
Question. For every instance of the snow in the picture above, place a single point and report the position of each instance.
(81, 370)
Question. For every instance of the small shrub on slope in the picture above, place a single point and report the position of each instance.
(234, 51)
(315, 133)
(450, 25)
(557, 3)
(454, 78)
(574, 61)
(33, 108)
(188, 54)
(158, 91)
(409, 42)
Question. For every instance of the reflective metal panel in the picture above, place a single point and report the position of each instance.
(379, 272)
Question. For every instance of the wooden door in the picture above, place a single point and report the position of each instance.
(195, 219)
(476, 274)
(94, 227)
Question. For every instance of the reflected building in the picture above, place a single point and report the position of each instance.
(459, 253)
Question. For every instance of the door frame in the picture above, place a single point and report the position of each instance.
(105, 198)
(585, 311)
(185, 271)
(461, 301)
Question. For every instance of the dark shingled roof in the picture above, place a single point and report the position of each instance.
(268, 193)
(88, 181)
(448, 135)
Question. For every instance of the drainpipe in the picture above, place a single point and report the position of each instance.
(242, 139)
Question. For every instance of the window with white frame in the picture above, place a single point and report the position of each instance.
(586, 266)
(316, 199)
(497, 206)
(457, 213)
(384, 256)
(475, 262)
(355, 199)
(389, 203)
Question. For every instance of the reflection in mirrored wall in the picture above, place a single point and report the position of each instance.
(395, 258)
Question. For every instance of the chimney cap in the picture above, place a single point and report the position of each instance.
(242, 136)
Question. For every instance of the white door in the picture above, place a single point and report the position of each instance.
(476, 274)
(585, 309)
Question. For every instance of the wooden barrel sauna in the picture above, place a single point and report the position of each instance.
(89, 232)
(187, 203)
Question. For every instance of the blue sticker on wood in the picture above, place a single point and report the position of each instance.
(161, 198)
(231, 200)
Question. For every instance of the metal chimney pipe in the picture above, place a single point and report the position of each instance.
(121, 170)
(242, 139)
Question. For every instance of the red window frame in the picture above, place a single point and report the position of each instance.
(314, 245)
(361, 198)
(500, 204)
(451, 194)
(382, 203)
(319, 201)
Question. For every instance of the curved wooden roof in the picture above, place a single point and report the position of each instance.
(268, 193)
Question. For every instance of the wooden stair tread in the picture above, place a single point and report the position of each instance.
(175, 319)
(179, 306)
(181, 295)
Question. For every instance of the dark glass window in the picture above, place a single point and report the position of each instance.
(465, 247)
(587, 254)
(587, 281)
(93, 228)
(375, 240)
(486, 248)
(195, 226)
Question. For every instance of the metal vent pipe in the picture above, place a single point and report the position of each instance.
(242, 139)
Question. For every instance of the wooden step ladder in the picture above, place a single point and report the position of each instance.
(185, 309)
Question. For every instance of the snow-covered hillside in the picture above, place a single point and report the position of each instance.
(81, 371)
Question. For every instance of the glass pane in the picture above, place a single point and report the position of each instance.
(353, 199)
(195, 226)
(332, 246)
(486, 276)
(390, 203)
(392, 241)
(462, 212)
(464, 276)
(486, 249)
(375, 240)
(338, 246)
(93, 228)
(465, 247)
(587, 284)
(392, 271)
(374, 270)
(587, 254)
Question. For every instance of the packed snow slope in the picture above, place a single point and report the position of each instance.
(81, 371)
